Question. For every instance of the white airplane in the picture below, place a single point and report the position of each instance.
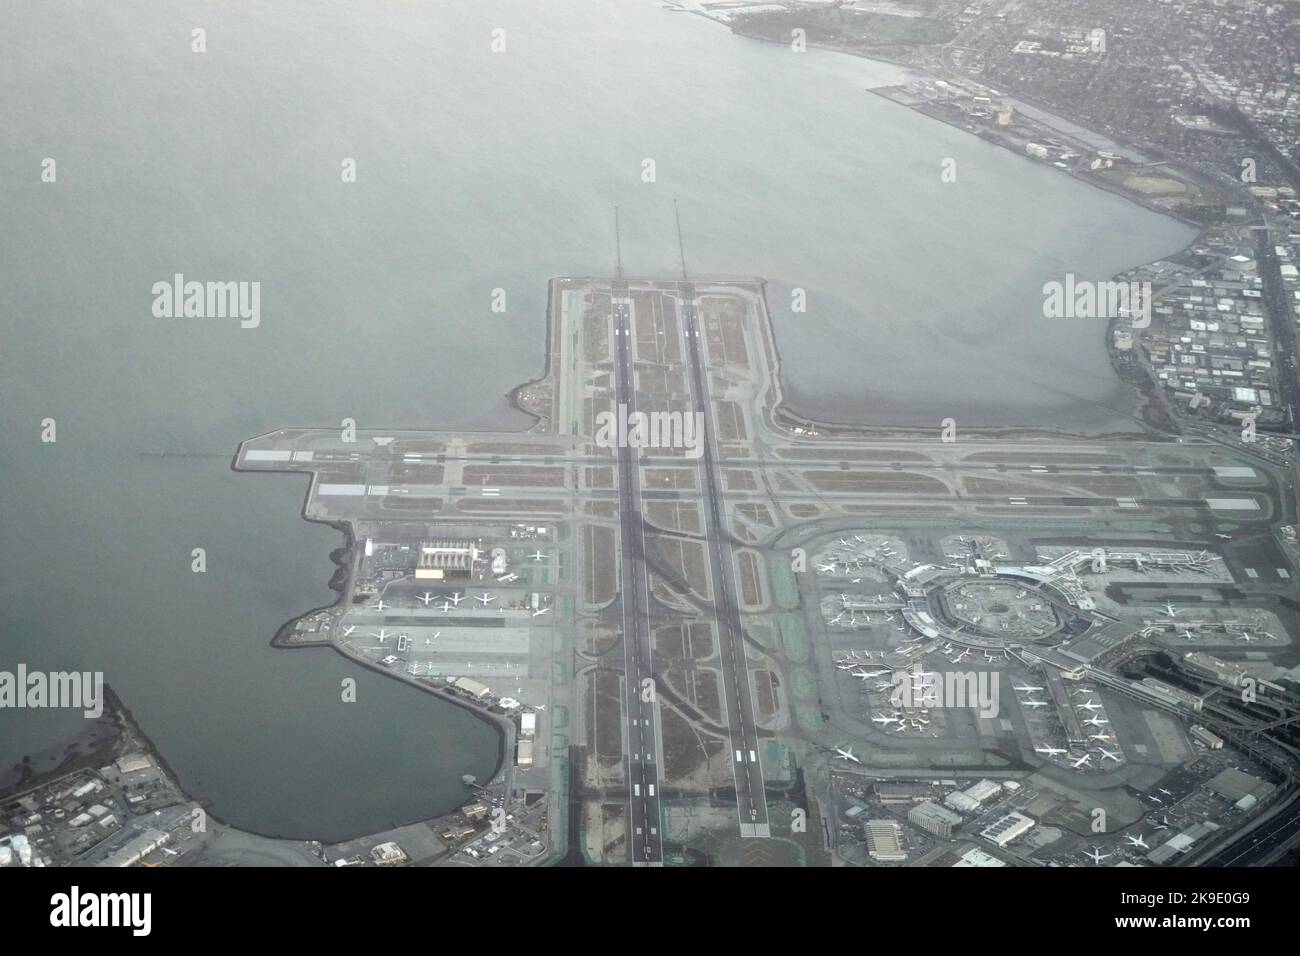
(383, 635)
(1170, 611)
(349, 629)
(540, 611)
(886, 721)
(427, 598)
(836, 618)
(1108, 754)
(445, 607)
(485, 599)
(1096, 856)
(1244, 636)
(539, 707)
(1226, 537)
(171, 852)
(1167, 793)
(1024, 688)
(825, 568)
(1050, 751)
(1188, 634)
(846, 755)
(1033, 703)
(537, 555)
(430, 640)
(1104, 738)
(960, 657)
(1089, 706)
(457, 598)
(381, 605)
(1096, 721)
(1084, 761)
(1154, 799)
(865, 675)
(1136, 841)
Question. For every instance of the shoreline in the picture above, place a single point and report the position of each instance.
(340, 582)
(1146, 393)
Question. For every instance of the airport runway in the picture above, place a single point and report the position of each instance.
(642, 722)
(751, 802)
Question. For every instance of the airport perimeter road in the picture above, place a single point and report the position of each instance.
(641, 697)
(751, 801)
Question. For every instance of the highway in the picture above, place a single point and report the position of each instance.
(640, 690)
(751, 802)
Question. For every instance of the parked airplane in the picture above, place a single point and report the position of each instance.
(1108, 754)
(865, 675)
(1025, 688)
(1084, 761)
(846, 755)
(1033, 703)
(537, 555)
(430, 640)
(1188, 634)
(427, 597)
(1167, 793)
(540, 611)
(886, 721)
(1089, 706)
(457, 598)
(485, 599)
(1050, 751)
(1244, 636)
(380, 606)
(1104, 738)
(349, 629)
(1096, 855)
(1136, 841)
(446, 606)
(960, 657)
(383, 635)
(1096, 721)
(1170, 611)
